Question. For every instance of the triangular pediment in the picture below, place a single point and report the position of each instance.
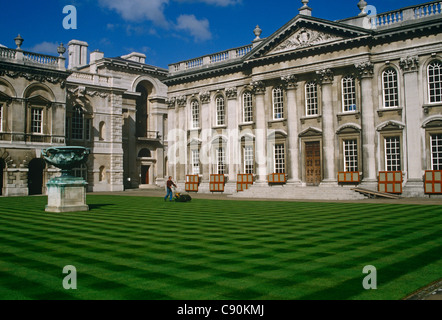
(305, 33)
(304, 38)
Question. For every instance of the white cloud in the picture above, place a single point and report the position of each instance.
(138, 10)
(199, 29)
(45, 47)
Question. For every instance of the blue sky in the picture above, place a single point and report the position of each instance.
(167, 31)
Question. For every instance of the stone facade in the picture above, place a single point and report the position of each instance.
(312, 100)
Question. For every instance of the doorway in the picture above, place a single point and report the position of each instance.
(35, 176)
(145, 174)
(313, 163)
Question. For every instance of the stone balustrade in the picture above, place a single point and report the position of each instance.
(31, 58)
(211, 59)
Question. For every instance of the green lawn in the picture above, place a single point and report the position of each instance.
(144, 248)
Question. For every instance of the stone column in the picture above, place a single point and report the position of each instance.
(368, 160)
(206, 135)
(326, 78)
(260, 132)
(413, 146)
(116, 152)
(182, 142)
(170, 135)
(290, 83)
(233, 134)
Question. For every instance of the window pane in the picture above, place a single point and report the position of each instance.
(195, 161)
(220, 111)
(247, 107)
(436, 151)
(195, 114)
(248, 159)
(390, 88)
(435, 82)
(348, 94)
(77, 124)
(220, 161)
(279, 158)
(311, 99)
(392, 154)
(278, 103)
(351, 155)
(36, 120)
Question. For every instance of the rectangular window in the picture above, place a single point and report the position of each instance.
(311, 99)
(392, 154)
(278, 104)
(436, 151)
(195, 114)
(351, 155)
(220, 112)
(348, 94)
(390, 88)
(248, 160)
(247, 107)
(37, 120)
(279, 158)
(435, 81)
(195, 161)
(220, 161)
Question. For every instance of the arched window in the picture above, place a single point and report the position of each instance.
(78, 123)
(195, 114)
(390, 88)
(311, 99)
(220, 111)
(278, 103)
(435, 82)
(247, 107)
(348, 94)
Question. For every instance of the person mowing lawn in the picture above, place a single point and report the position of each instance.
(169, 185)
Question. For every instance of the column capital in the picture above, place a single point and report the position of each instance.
(205, 97)
(409, 64)
(181, 101)
(231, 93)
(258, 87)
(171, 102)
(290, 81)
(365, 69)
(326, 76)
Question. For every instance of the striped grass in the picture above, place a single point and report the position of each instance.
(144, 248)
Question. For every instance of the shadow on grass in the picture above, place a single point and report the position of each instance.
(99, 206)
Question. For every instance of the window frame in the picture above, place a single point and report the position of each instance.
(221, 165)
(247, 110)
(277, 103)
(398, 156)
(2, 110)
(195, 164)
(439, 83)
(438, 152)
(354, 158)
(220, 111)
(347, 107)
(40, 121)
(385, 88)
(311, 101)
(279, 163)
(195, 114)
(248, 159)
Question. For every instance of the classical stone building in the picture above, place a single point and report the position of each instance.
(310, 111)
(313, 100)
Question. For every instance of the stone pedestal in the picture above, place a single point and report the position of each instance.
(66, 194)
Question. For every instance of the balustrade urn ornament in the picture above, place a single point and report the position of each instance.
(19, 41)
(362, 5)
(61, 50)
(257, 31)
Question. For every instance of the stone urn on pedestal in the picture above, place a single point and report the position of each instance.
(66, 193)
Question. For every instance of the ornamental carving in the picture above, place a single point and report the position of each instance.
(305, 38)
(409, 64)
(205, 97)
(171, 102)
(290, 81)
(258, 87)
(325, 75)
(231, 93)
(181, 101)
(365, 69)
